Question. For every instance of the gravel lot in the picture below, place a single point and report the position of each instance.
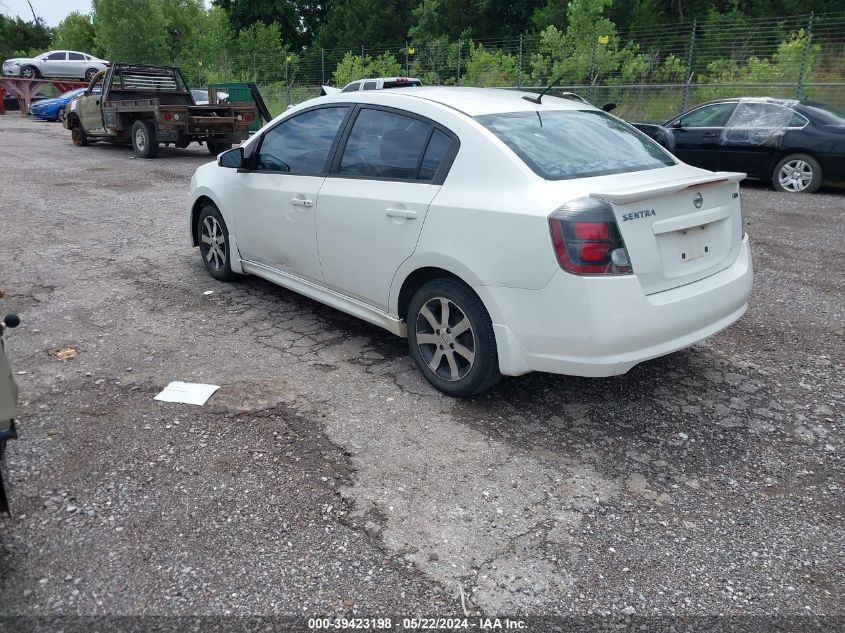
(326, 478)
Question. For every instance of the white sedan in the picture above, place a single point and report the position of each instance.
(499, 235)
(55, 64)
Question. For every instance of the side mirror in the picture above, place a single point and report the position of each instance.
(232, 158)
(677, 125)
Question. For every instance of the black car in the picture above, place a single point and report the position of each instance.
(796, 145)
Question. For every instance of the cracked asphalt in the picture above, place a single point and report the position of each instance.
(326, 478)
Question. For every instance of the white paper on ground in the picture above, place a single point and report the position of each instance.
(187, 393)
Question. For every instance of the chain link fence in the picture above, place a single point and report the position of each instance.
(651, 74)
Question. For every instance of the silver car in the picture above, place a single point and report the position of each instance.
(55, 64)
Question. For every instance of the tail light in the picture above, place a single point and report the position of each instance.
(586, 239)
(248, 118)
(166, 116)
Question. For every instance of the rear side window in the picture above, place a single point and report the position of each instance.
(370, 85)
(76, 56)
(385, 145)
(300, 145)
(438, 148)
(575, 143)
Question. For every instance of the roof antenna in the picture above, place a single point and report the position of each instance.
(538, 98)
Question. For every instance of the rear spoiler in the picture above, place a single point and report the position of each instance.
(641, 192)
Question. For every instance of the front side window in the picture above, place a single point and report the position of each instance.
(57, 57)
(568, 144)
(352, 87)
(301, 145)
(385, 145)
(713, 115)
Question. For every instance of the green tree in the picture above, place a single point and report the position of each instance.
(75, 32)
(479, 19)
(385, 65)
(293, 18)
(182, 19)
(373, 23)
(20, 38)
(131, 30)
(350, 68)
(588, 51)
(206, 54)
(490, 68)
(260, 53)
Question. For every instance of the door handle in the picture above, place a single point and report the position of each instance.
(302, 202)
(402, 213)
(710, 135)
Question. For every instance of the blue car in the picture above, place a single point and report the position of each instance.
(49, 109)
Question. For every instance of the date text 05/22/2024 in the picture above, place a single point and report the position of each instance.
(416, 624)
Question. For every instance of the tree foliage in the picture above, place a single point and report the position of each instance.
(131, 30)
(75, 32)
(21, 38)
(353, 67)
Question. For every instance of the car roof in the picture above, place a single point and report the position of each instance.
(470, 101)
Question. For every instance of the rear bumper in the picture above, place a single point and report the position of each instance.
(585, 326)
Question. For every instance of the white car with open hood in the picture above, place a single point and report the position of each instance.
(500, 235)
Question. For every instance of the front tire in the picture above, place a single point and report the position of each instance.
(30, 72)
(797, 173)
(78, 136)
(451, 339)
(214, 243)
(144, 139)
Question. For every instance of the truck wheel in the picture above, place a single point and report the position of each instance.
(218, 147)
(78, 136)
(144, 139)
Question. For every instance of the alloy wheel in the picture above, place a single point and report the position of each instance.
(796, 175)
(445, 339)
(28, 73)
(213, 243)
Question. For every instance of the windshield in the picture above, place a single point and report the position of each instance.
(575, 143)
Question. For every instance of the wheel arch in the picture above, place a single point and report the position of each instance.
(415, 280)
(197, 206)
(788, 152)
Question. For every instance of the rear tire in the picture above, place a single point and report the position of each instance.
(144, 139)
(89, 74)
(214, 243)
(797, 173)
(451, 339)
(215, 148)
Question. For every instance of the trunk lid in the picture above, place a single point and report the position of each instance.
(679, 230)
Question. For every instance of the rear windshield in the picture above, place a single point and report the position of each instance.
(829, 114)
(401, 84)
(575, 143)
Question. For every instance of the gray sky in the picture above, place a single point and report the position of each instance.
(53, 11)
